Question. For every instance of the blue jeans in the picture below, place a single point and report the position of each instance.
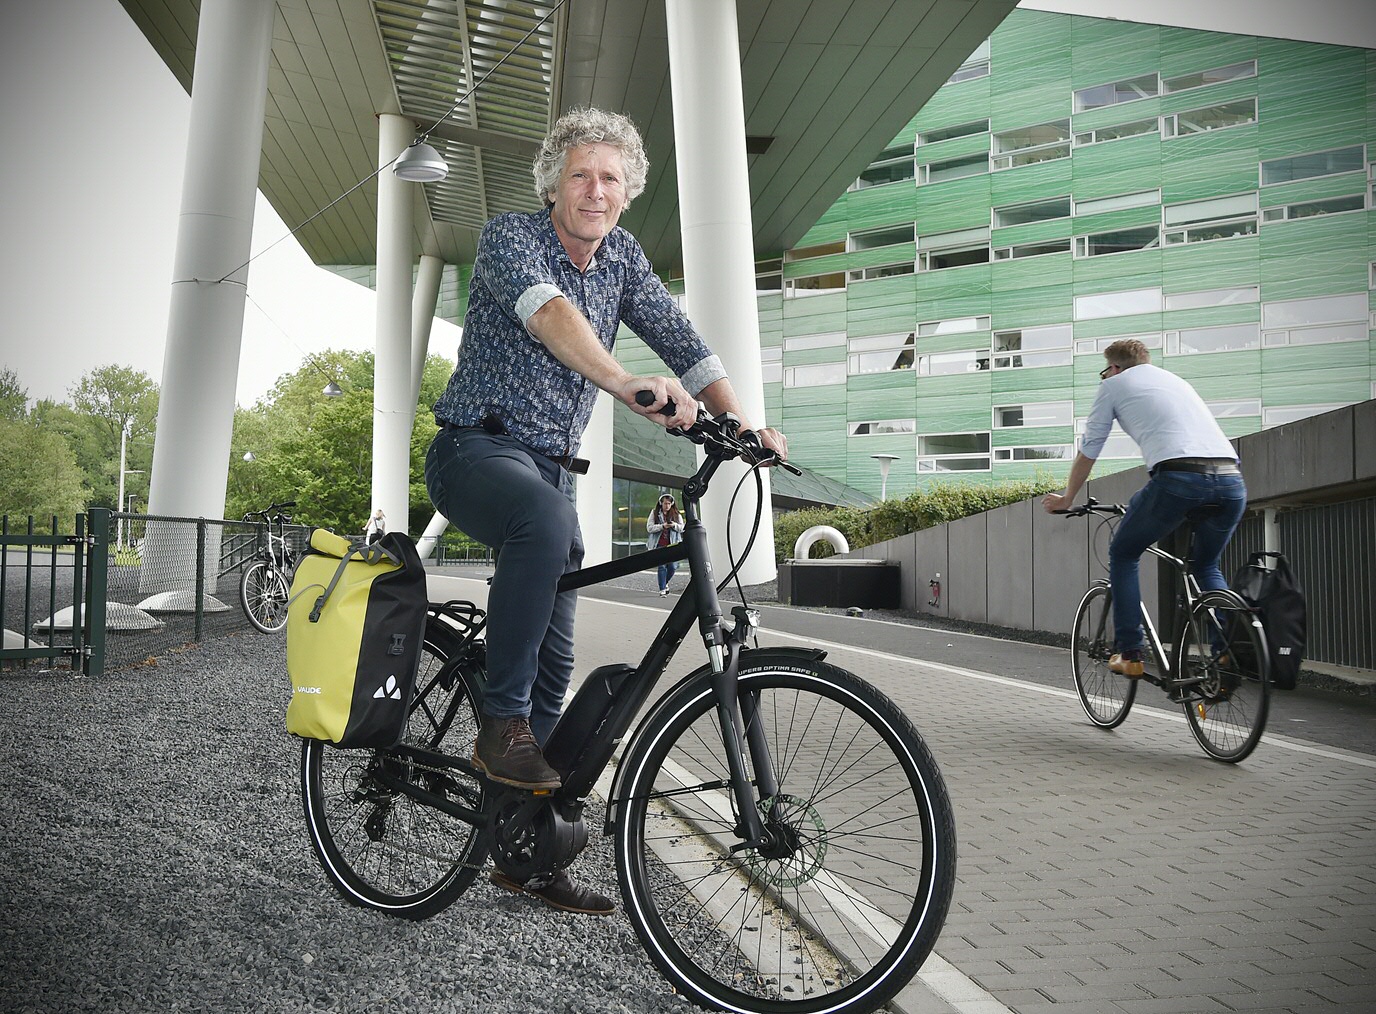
(666, 573)
(1158, 509)
(520, 503)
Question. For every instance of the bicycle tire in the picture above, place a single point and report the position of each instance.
(727, 928)
(1224, 647)
(382, 849)
(1106, 696)
(263, 594)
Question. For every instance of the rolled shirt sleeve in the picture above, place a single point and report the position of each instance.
(1098, 424)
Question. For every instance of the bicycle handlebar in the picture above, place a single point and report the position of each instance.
(722, 434)
(272, 511)
(1093, 506)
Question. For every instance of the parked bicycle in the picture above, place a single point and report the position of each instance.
(265, 585)
(1216, 667)
(783, 837)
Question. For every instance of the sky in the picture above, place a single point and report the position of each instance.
(94, 126)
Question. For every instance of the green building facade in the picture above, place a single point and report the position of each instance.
(1080, 180)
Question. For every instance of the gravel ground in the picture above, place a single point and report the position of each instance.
(156, 859)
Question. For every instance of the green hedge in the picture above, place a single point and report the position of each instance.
(914, 512)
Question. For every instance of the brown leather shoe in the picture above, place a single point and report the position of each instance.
(506, 750)
(558, 891)
(1124, 665)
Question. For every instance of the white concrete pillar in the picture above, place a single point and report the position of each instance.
(423, 317)
(594, 490)
(206, 316)
(393, 406)
(718, 239)
(1270, 528)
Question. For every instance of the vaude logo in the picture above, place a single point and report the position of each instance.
(309, 690)
(390, 691)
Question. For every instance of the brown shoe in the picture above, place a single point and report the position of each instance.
(1125, 665)
(506, 750)
(557, 890)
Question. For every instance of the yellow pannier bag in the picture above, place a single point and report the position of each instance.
(355, 624)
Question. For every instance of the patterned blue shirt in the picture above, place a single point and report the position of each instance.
(505, 370)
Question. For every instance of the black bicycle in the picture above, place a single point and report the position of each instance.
(1218, 671)
(783, 837)
(265, 584)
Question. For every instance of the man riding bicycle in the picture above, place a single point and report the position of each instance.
(548, 292)
(1194, 477)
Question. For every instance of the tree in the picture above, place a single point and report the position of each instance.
(14, 396)
(111, 399)
(38, 473)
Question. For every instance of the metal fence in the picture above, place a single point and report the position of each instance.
(46, 583)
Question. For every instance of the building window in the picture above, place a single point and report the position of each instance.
(1235, 408)
(1046, 452)
(1029, 145)
(1038, 211)
(1133, 128)
(873, 239)
(1292, 313)
(1293, 413)
(832, 339)
(1212, 297)
(1145, 87)
(882, 427)
(955, 325)
(1325, 334)
(952, 249)
(1117, 304)
(944, 364)
(1100, 244)
(951, 133)
(975, 65)
(1042, 413)
(1312, 209)
(1217, 75)
(1304, 167)
(816, 375)
(1223, 338)
(952, 169)
(1033, 346)
(1217, 218)
(892, 166)
(1009, 253)
(881, 354)
(803, 253)
(879, 271)
(815, 285)
(769, 276)
(953, 452)
(1199, 121)
(771, 365)
(1119, 202)
(1085, 346)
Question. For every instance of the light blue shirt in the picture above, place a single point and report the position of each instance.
(1161, 412)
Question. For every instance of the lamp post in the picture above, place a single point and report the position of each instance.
(119, 502)
(885, 463)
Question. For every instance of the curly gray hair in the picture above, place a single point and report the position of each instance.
(590, 126)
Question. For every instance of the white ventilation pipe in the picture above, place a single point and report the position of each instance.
(818, 533)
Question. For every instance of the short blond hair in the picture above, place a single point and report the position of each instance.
(1126, 352)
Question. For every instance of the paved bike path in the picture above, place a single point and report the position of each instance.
(1104, 871)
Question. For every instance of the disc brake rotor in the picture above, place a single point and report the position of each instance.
(806, 826)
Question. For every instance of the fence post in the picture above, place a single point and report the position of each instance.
(97, 584)
(200, 579)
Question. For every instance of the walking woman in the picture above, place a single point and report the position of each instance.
(664, 527)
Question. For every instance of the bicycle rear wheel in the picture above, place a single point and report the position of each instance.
(844, 912)
(263, 594)
(1224, 649)
(1106, 697)
(380, 848)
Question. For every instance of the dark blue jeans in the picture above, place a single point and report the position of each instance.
(1214, 503)
(520, 503)
(666, 573)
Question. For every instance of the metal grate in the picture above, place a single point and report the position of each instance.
(437, 50)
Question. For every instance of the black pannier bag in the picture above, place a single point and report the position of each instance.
(1269, 585)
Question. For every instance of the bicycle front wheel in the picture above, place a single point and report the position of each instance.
(1106, 697)
(379, 847)
(263, 593)
(1223, 653)
(843, 911)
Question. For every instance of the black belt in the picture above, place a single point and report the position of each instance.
(1204, 466)
(576, 466)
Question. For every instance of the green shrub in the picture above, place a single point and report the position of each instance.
(914, 512)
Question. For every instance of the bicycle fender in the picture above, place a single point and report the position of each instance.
(750, 658)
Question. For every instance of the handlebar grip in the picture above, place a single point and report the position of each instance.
(647, 398)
